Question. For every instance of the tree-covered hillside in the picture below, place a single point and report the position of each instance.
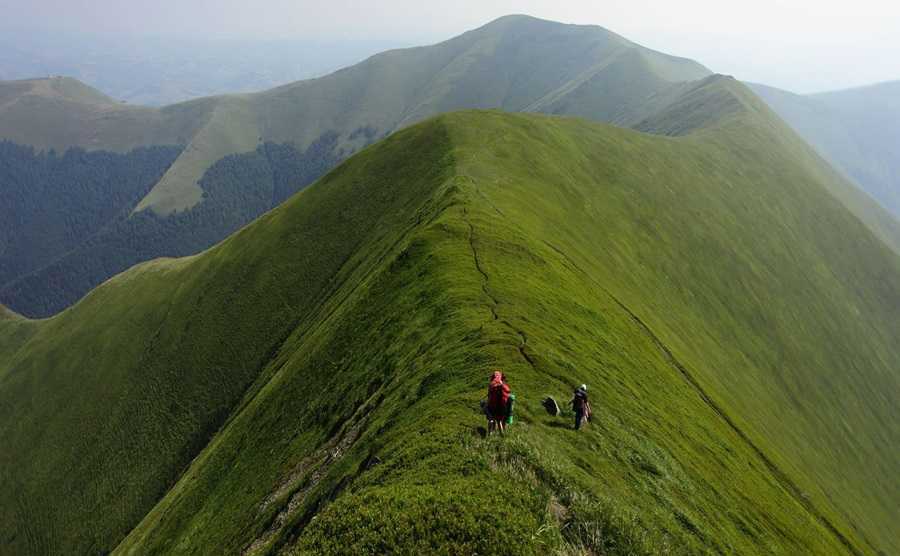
(75, 227)
(51, 203)
(311, 384)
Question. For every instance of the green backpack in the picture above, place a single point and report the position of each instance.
(509, 409)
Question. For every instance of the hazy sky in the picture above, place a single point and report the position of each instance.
(801, 45)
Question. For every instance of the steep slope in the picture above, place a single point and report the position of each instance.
(857, 130)
(512, 63)
(515, 63)
(312, 383)
(688, 107)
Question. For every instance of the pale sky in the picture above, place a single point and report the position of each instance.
(800, 45)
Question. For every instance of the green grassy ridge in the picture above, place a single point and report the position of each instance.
(671, 471)
(72, 89)
(64, 88)
(516, 63)
(158, 389)
(509, 63)
(673, 303)
(387, 360)
(698, 105)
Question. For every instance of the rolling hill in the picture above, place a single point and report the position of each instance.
(857, 130)
(516, 63)
(311, 384)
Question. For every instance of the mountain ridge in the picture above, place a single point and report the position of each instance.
(224, 170)
(223, 175)
(209, 138)
(546, 246)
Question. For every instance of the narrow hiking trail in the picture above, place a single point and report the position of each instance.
(472, 240)
(495, 303)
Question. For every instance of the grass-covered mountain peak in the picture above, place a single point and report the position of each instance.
(175, 180)
(311, 384)
(60, 88)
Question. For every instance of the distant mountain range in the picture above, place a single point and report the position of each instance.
(157, 71)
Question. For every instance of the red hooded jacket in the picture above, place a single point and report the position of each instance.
(498, 394)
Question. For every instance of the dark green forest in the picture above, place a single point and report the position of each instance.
(50, 203)
(55, 260)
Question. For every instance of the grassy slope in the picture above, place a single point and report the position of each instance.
(514, 63)
(695, 99)
(16, 331)
(230, 128)
(742, 372)
(856, 130)
(163, 374)
(672, 476)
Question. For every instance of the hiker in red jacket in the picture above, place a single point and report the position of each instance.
(497, 402)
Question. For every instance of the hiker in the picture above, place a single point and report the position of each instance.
(581, 406)
(497, 402)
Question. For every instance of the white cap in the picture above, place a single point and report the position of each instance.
(584, 387)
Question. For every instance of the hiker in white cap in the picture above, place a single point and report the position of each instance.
(581, 406)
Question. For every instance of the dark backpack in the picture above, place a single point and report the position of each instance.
(579, 401)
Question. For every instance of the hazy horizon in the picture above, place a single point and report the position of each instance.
(801, 46)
